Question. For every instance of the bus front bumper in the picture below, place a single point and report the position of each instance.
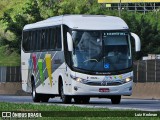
(87, 90)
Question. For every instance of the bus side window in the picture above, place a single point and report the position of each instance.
(36, 40)
(52, 39)
(25, 42)
(49, 38)
(46, 39)
(55, 38)
(58, 42)
(39, 40)
(29, 41)
(42, 39)
(33, 41)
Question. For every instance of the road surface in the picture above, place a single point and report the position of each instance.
(134, 104)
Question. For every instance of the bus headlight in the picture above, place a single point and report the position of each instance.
(81, 80)
(128, 79)
(78, 79)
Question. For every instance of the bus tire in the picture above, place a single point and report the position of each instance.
(81, 100)
(35, 96)
(77, 100)
(86, 100)
(65, 99)
(116, 99)
(44, 98)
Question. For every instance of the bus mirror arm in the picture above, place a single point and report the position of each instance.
(69, 42)
(137, 42)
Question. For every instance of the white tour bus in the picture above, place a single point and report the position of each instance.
(78, 56)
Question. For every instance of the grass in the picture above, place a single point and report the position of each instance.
(82, 112)
(8, 58)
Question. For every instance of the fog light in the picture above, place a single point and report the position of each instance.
(130, 88)
(75, 88)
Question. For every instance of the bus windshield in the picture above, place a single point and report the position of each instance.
(101, 51)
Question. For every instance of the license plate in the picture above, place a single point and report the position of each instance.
(103, 89)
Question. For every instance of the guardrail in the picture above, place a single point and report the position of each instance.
(147, 71)
(10, 74)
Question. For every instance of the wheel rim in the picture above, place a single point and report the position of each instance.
(62, 93)
(33, 91)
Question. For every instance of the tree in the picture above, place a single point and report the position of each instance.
(146, 26)
(15, 26)
(16, 23)
(49, 8)
(32, 11)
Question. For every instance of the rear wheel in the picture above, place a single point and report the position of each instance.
(35, 96)
(116, 99)
(65, 99)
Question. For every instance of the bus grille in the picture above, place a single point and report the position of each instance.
(104, 83)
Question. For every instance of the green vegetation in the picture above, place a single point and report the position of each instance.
(56, 110)
(16, 5)
(8, 58)
(42, 107)
(14, 14)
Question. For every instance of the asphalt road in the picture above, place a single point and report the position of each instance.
(136, 104)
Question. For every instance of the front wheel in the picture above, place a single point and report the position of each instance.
(44, 98)
(82, 100)
(116, 99)
(35, 96)
(65, 99)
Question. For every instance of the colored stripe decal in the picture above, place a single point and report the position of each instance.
(30, 63)
(34, 62)
(40, 67)
(48, 66)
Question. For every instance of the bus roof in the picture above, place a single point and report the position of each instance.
(85, 22)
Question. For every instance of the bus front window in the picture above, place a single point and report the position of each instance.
(101, 51)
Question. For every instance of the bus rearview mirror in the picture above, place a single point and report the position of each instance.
(137, 42)
(69, 42)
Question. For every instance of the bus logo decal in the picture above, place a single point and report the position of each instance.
(107, 66)
(104, 83)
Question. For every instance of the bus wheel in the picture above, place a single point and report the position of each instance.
(86, 100)
(77, 100)
(35, 96)
(116, 99)
(44, 99)
(82, 100)
(65, 99)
